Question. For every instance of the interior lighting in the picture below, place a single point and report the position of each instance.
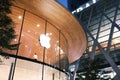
(19, 17)
(87, 5)
(26, 46)
(28, 31)
(38, 25)
(94, 1)
(15, 40)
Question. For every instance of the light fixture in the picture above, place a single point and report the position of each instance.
(38, 25)
(15, 40)
(28, 31)
(26, 46)
(19, 17)
(94, 1)
(87, 5)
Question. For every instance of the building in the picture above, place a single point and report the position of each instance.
(74, 4)
(44, 27)
(47, 32)
(101, 20)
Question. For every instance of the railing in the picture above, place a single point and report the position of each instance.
(28, 69)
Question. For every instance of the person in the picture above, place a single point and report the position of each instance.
(35, 57)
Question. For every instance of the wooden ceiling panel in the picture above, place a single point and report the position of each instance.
(55, 14)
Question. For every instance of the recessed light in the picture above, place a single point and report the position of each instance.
(15, 39)
(28, 31)
(26, 46)
(38, 25)
(19, 17)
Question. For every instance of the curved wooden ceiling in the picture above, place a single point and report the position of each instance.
(56, 14)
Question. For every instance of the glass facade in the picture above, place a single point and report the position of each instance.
(102, 20)
(35, 35)
(99, 25)
(28, 70)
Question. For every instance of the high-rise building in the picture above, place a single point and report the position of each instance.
(74, 4)
(101, 20)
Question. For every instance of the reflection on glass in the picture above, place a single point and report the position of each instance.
(26, 70)
(51, 56)
(63, 52)
(5, 66)
(34, 38)
(33, 41)
(15, 13)
(33, 27)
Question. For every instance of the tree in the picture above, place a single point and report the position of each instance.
(92, 71)
(7, 32)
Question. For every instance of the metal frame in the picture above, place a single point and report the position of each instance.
(95, 40)
(13, 65)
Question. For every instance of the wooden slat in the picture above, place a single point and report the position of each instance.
(55, 14)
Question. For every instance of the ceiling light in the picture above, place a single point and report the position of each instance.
(38, 25)
(28, 31)
(26, 46)
(15, 39)
(19, 17)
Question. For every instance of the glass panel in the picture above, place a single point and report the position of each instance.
(63, 76)
(117, 34)
(51, 53)
(63, 52)
(105, 27)
(56, 74)
(102, 39)
(118, 17)
(116, 41)
(5, 65)
(48, 73)
(32, 28)
(106, 32)
(16, 16)
(104, 44)
(26, 70)
(53, 74)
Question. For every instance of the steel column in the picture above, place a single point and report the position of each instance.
(108, 58)
(94, 45)
(111, 31)
(114, 23)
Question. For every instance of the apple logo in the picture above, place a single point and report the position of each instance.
(44, 41)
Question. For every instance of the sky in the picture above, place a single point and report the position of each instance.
(63, 2)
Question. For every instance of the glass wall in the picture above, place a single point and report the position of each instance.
(5, 67)
(35, 35)
(98, 23)
(33, 26)
(27, 70)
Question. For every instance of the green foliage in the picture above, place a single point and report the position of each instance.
(92, 71)
(5, 7)
(7, 32)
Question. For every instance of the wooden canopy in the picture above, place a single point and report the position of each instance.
(56, 14)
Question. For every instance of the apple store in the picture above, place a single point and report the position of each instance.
(38, 36)
(52, 38)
